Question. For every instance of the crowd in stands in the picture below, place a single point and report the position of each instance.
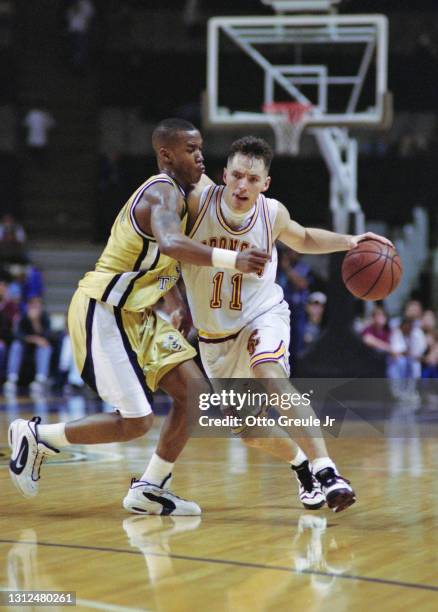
(30, 352)
(410, 343)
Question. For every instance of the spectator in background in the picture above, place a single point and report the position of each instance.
(428, 325)
(38, 123)
(377, 334)
(33, 283)
(413, 310)
(430, 357)
(314, 317)
(79, 19)
(32, 334)
(295, 277)
(27, 282)
(8, 317)
(68, 369)
(12, 240)
(408, 344)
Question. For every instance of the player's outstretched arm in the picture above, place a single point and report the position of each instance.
(159, 212)
(314, 240)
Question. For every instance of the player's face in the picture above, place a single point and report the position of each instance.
(186, 157)
(246, 178)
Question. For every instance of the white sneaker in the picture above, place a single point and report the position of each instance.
(310, 492)
(27, 455)
(146, 498)
(337, 490)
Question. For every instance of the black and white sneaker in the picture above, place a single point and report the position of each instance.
(27, 455)
(337, 490)
(146, 498)
(310, 493)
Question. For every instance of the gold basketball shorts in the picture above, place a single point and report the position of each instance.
(120, 354)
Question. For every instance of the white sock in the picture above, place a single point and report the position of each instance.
(53, 435)
(321, 463)
(299, 458)
(158, 471)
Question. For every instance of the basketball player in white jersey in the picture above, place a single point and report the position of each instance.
(121, 345)
(243, 321)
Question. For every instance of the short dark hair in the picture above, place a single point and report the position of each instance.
(253, 147)
(166, 131)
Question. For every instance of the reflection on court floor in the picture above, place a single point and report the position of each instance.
(254, 547)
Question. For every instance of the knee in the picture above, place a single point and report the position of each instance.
(269, 370)
(189, 396)
(135, 428)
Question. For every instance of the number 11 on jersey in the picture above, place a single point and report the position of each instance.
(236, 282)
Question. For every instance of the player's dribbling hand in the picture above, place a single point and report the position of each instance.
(369, 236)
(252, 260)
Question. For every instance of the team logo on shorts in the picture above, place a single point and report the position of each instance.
(172, 343)
(253, 342)
(166, 282)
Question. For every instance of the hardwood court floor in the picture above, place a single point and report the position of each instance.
(253, 549)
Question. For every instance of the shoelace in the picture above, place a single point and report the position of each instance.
(338, 477)
(40, 456)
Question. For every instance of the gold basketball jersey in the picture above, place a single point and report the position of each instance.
(131, 273)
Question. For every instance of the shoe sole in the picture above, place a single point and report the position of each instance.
(13, 476)
(341, 500)
(133, 509)
(11, 446)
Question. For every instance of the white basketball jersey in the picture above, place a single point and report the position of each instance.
(222, 301)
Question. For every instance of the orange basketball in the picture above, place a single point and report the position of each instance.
(372, 270)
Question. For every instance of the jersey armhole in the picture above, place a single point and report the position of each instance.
(158, 179)
(204, 202)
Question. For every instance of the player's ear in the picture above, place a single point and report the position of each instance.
(224, 176)
(165, 155)
(267, 184)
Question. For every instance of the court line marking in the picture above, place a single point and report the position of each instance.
(278, 568)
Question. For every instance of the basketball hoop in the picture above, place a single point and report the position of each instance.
(288, 124)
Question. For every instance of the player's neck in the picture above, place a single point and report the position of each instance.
(236, 216)
(171, 173)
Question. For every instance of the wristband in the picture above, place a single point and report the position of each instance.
(223, 258)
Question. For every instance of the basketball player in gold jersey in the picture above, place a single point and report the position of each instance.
(121, 346)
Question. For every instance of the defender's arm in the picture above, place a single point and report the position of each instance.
(163, 206)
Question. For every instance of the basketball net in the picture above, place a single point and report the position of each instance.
(288, 125)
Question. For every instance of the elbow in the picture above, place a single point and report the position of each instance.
(170, 246)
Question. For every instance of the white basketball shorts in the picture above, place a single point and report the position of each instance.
(265, 339)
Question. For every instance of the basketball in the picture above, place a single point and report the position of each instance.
(372, 270)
